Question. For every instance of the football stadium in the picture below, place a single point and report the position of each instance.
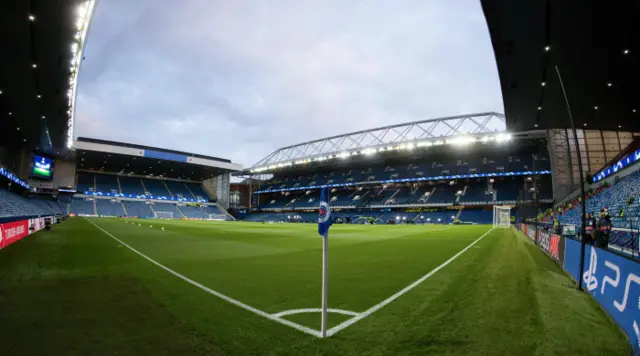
(476, 233)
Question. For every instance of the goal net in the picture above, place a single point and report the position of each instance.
(163, 215)
(501, 216)
(217, 217)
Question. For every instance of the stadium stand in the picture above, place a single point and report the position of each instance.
(155, 187)
(83, 207)
(86, 182)
(108, 207)
(131, 185)
(106, 183)
(168, 208)
(12, 204)
(137, 209)
(621, 199)
(179, 189)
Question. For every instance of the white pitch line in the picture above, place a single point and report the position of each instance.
(313, 310)
(380, 305)
(238, 303)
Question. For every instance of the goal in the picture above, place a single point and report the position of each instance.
(217, 217)
(163, 214)
(501, 216)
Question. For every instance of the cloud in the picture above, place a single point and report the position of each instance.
(239, 79)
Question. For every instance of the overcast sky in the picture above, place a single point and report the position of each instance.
(238, 79)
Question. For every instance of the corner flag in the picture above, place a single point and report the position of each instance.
(324, 222)
(324, 213)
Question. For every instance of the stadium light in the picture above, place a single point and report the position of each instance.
(83, 15)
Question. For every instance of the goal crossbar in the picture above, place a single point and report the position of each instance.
(163, 214)
(501, 216)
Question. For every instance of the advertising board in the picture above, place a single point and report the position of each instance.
(613, 281)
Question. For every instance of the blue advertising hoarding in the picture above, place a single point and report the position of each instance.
(618, 166)
(613, 281)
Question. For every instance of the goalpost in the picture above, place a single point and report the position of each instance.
(163, 214)
(217, 217)
(501, 216)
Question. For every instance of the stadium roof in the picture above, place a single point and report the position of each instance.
(41, 49)
(453, 130)
(594, 44)
(125, 158)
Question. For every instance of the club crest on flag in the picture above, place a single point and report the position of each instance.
(324, 213)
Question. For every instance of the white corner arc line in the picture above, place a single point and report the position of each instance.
(238, 303)
(313, 310)
(383, 303)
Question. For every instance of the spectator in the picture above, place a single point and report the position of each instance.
(590, 229)
(603, 229)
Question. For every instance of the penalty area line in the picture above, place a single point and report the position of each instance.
(383, 303)
(235, 302)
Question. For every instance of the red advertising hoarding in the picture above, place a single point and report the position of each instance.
(13, 232)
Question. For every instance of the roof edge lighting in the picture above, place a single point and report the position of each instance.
(84, 13)
(459, 140)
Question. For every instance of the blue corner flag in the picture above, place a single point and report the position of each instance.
(324, 213)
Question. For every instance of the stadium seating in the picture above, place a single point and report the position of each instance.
(434, 217)
(12, 204)
(179, 190)
(47, 205)
(193, 212)
(508, 190)
(614, 198)
(138, 208)
(107, 207)
(428, 169)
(476, 193)
(107, 183)
(443, 194)
(167, 207)
(197, 190)
(155, 187)
(82, 207)
(476, 216)
(131, 185)
(86, 182)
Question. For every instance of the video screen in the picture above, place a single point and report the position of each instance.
(42, 167)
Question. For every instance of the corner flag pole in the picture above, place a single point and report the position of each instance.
(325, 282)
(324, 222)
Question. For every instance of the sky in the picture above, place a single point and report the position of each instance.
(238, 79)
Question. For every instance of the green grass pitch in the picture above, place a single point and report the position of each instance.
(77, 290)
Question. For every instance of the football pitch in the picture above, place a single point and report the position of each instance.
(133, 287)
